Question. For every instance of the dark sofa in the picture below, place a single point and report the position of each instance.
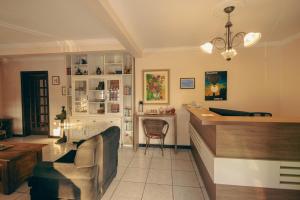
(83, 174)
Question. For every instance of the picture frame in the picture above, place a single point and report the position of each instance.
(156, 86)
(63, 91)
(187, 83)
(216, 86)
(55, 80)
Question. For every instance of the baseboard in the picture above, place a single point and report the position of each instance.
(51, 136)
(17, 135)
(167, 146)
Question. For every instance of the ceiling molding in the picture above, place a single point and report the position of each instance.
(33, 58)
(104, 11)
(278, 43)
(25, 30)
(171, 49)
(65, 46)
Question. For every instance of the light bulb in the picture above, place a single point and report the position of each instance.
(207, 47)
(228, 54)
(251, 39)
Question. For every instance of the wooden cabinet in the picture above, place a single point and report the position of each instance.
(102, 94)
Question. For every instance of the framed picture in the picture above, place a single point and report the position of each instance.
(216, 86)
(187, 83)
(55, 80)
(63, 91)
(156, 86)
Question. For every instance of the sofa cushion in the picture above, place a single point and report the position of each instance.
(85, 154)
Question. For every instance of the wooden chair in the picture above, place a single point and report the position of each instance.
(155, 129)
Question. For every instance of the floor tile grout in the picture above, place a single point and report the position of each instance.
(172, 181)
(119, 181)
(152, 154)
(195, 168)
(146, 177)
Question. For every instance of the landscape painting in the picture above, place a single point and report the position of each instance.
(216, 85)
(156, 86)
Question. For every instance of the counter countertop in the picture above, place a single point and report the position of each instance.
(210, 118)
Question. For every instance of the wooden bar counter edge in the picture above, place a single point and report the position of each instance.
(246, 157)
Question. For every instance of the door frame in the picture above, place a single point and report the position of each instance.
(23, 75)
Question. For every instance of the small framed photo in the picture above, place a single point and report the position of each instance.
(63, 91)
(187, 83)
(55, 80)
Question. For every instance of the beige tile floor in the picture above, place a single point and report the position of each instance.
(140, 177)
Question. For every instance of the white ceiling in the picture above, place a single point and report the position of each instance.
(175, 23)
(149, 23)
(48, 20)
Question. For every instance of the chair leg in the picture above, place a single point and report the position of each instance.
(162, 146)
(147, 144)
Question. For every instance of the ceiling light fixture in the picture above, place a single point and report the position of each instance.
(226, 44)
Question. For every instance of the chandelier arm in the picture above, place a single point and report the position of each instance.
(239, 34)
(213, 41)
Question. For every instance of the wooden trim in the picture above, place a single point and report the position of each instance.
(208, 182)
(207, 133)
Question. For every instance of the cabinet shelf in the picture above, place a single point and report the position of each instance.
(114, 63)
(117, 73)
(96, 90)
(74, 64)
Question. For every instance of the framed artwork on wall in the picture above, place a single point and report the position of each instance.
(156, 86)
(187, 83)
(55, 80)
(216, 86)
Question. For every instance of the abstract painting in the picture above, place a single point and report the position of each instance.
(216, 85)
(156, 86)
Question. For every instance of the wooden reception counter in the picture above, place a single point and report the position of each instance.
(246, 157)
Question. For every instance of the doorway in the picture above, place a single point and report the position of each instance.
(35, 103)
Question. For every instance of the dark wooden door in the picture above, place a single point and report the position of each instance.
(35, 102)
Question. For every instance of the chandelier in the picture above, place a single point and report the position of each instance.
(227, 43)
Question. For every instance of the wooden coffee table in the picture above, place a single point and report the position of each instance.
(17, 163)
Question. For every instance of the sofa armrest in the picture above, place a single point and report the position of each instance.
(73, 172)
(56, 170)
(68, 157)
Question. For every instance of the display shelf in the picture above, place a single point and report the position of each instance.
(103, 89)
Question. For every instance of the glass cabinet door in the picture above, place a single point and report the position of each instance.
(114, 93)
(80, 96)
(96, 96)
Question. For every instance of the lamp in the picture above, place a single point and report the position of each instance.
(226, 44)
(62, 117)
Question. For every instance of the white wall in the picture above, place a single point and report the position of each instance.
(259, 79)
(253, 80)
(1, 92)
(12, 106)
(290, 76)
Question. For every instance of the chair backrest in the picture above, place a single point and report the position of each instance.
(155, 126)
